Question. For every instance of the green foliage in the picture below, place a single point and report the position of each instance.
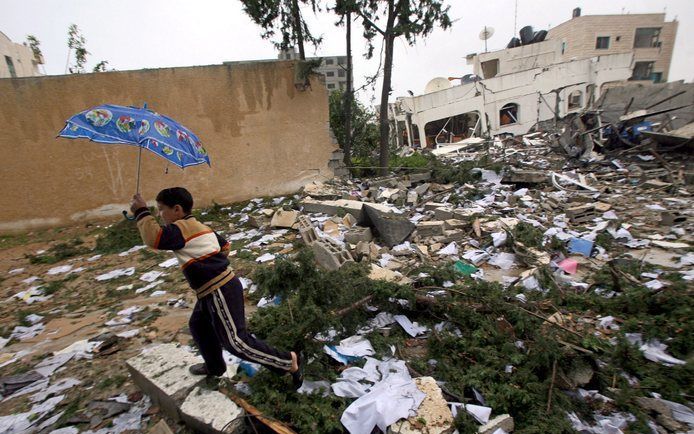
(34, 45)
(76, 41)
(528, 235)
(282, 22)
(461, 173)
(59, 252)
(101, 66)
(118, 237)
(364, 128)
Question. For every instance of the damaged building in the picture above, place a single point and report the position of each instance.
(540, 76)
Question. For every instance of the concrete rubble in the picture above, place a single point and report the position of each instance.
(524, 216)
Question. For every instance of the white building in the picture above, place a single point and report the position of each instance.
(513, 90)
(17, 60)
(333, 68)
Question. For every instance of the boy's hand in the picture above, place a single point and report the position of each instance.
(137, 203)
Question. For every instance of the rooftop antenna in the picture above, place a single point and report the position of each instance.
(515, 20)
(485, 34)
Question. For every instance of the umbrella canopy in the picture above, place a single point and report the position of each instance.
(113, 124)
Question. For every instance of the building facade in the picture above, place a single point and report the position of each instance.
(648, 36)
(333, 68)
(17, 60)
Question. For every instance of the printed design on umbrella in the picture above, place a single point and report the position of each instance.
(179, 155)
(74, 127)
(99, 117)
(144, 127)
(162, 128)
(125, 123)
(182, 136)
(154, 142)
(199, 148)
(167, 150)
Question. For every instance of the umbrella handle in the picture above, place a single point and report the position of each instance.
(127, 217)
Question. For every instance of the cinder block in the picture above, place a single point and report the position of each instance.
(329, 254)
(418, 177)
(357, 234)
(307, 230)
(581, 214)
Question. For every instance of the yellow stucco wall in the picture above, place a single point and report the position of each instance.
(264, 137)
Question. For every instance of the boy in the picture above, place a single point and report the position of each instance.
(218, 319)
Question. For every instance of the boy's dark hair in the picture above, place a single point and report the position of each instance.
(176, 196)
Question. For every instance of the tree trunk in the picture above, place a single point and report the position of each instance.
(385, 92)
(298, 31)
(348, 96)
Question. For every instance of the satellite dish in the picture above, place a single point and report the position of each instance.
(438, 83)
(485, 34)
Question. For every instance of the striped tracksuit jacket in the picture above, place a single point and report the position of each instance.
(218, 320)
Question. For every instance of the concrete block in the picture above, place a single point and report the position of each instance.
(422, 188)
(258, 221)
(503, 421)
(329, 254)
(393, 229)
(284, 219)
(432, 206)
(412, 197)
(433, 412)
(444, 213)
(430, 228)
(357, 234)
(418, 177)
(581, 214)
(451, 224)
(307, 230)
(453, 235)
(211, 412)
(334, 207)
(525, 177)
(162, 373)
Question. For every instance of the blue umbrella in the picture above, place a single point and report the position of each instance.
(141, 127)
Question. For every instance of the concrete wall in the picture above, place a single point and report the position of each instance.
(264, 137)
(580, 35)
(22, 59)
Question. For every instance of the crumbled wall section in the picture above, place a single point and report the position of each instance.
(264, 137)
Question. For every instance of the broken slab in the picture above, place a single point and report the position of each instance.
(433, 415)
(455, 224)
(211, 412)
(504, 421)
(330, 254)
(514, 176)
(284, 219)
(358, 234)
(430, 228)
(581, 214)
(393, 229)
(162, 373)
(342, 206)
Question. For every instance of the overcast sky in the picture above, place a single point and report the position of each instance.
(163, 33)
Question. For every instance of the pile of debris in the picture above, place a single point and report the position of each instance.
(502, 289)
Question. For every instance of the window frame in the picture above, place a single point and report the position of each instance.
(654, 39)
(515, 118)
(597, 42)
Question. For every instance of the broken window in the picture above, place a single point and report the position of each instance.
(647, 37)
(490, 68)
(10, 66)
(508, 115)
(642, 71)
(602, 43)
(575, 100)
(452, 129)
(330, 74)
